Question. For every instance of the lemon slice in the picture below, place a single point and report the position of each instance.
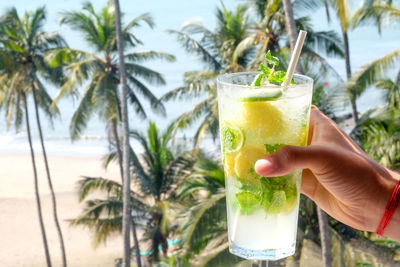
(257, 95)
(232, 137)
(229, 164)
(262, 118)
(244, 162)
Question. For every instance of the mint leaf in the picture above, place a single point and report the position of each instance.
(272, 148)
(257, 81)
(278, 202)
(291, 196)
(277, 77)
(274, 61)
(266, 71)
(248, 202)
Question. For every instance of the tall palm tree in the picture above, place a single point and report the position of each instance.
(342, 8)
(14, 101)
(235, 45)
(291, 29)
(28, 43)
(156, 173)
(125, 133)
(101, 70)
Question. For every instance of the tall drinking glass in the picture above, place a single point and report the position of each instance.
(254, 122)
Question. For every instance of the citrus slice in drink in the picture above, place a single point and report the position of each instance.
(229, 164)
(263, 119)
(232, 137)
(256, 95)
(244, 162)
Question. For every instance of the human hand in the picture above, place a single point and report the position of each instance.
(338, 176)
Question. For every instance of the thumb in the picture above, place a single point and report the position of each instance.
(290, 158)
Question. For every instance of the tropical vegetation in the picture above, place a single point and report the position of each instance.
(178, 215)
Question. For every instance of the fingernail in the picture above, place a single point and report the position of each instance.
(263, 166)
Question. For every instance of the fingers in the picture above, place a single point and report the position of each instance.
(290, 158)
(324, 130)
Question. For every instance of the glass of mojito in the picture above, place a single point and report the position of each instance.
(254, 122)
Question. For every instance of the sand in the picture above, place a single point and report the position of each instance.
(20, 237)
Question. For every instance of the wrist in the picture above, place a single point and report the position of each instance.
(388, 184)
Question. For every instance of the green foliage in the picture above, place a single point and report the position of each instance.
(156, 173)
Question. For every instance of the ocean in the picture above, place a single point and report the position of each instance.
(365, 45)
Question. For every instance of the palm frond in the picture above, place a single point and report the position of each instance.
(140, 88)
(83, 112)
(147, 74)
(145, 17)
(193, 46)
(149, 55)
(203, 219)
(189, 117)
(375, 13)
(196, 84)
(88, 185)
(372, 72)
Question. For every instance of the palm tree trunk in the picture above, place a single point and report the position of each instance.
(328, 15)
(126, 222)
(291, 29)
(136, 241)
(39, 207)
(53, 197)
(325, 237)
(119, 152)
(353, 98)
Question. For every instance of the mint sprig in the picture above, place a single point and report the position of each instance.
(269, 72)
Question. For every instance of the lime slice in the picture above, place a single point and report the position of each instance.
(257, 95)
(232, 137)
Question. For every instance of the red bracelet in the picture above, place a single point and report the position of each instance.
(390, 209)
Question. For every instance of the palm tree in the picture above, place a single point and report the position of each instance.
(202, 220)
(100, 69)
(291, 29)
(379, 129)
(13, 101)
(125, 122)
(156, 173)
(24, 38)
(236, 45)
(216, 49)
(343, 13)
(370, 73)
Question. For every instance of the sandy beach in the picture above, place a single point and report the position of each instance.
(20, 238)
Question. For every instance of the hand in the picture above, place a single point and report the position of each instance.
(338, 176)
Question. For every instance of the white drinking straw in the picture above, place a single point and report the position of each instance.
(295, 57)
